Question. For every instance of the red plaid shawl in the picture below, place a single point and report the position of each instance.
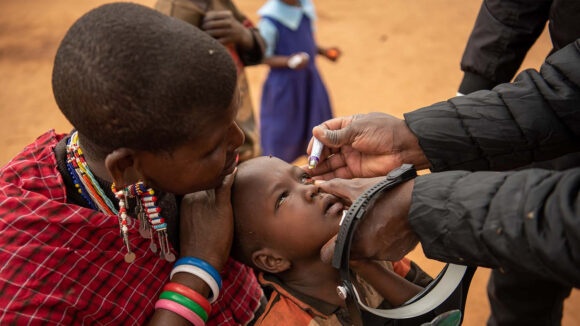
(61, 263)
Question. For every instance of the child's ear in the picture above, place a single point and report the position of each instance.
(269, 261)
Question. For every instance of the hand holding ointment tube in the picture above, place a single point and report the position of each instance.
(315, 154)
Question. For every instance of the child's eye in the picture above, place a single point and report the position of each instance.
(281, 199)
(306, 179)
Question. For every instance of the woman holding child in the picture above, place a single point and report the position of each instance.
(90, 229)
(110, 224)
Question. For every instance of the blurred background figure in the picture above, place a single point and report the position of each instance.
(223, 21)
(294, 98)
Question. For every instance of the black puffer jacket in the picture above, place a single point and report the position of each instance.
(527, 220)
(504, 32)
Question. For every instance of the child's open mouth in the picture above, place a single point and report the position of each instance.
(332, 205)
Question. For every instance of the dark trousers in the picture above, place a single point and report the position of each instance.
(524, 299)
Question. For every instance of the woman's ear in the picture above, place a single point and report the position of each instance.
(270, 261)
(120, 163)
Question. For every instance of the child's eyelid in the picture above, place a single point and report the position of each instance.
(280, 200)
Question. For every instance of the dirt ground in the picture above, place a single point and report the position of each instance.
(398, 56)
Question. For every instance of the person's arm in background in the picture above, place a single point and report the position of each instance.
(228, 26)
(331, 53)
(502, 35)
(254, 53)
(269, 33)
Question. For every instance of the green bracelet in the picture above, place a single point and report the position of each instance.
(184, 301)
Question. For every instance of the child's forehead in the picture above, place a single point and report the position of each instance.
(264, 169)
(267, 164)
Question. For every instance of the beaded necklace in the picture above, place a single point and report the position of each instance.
(148, 213)
(70, 166)
(85, 180)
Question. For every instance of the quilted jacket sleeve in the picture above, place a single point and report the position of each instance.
(502, 35)
(535, 118)
(526, 220)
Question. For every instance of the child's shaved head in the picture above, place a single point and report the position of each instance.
(246, 239)
(128, 76)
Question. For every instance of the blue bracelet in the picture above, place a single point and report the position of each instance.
(203, 265)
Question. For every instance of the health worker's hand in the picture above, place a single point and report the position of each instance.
(224, 27)
(384, 232)
(207, 224)
(365, 145)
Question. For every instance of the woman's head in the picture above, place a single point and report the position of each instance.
(281, 217)
(135, 82)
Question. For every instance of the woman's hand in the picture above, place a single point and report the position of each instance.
(207, 225)
(365, 145)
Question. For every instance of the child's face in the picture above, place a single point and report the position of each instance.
(284, 209)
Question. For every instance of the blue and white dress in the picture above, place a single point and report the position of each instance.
(293, 101)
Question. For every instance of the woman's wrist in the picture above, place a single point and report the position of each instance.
(193, 282)
(215, 260)
(190, 271)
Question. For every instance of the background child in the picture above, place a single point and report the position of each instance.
(294, 98)
(281, 222)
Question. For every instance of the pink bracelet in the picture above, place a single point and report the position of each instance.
(175, 307)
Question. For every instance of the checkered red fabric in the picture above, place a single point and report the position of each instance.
(63, 264)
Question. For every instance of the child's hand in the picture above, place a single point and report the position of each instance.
(332, 53)
(298, 60)
(391, 286)
(223, 26)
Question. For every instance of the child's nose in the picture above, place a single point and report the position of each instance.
(311, 191)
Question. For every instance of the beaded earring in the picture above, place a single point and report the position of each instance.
(150, 219)
(122, 197)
